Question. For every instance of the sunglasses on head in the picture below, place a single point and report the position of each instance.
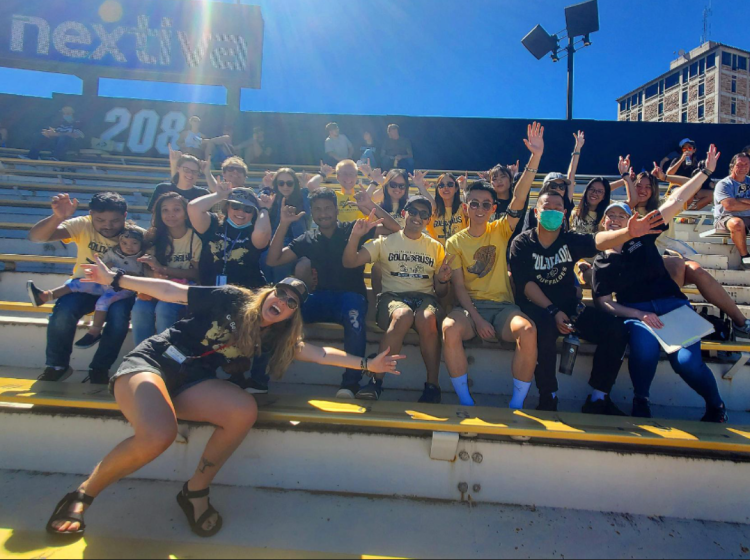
(397, 186)
(285, 184)
(450, 185)
(475, 205)
(287, 298)
(237, 207)
(423, 214)
(234, 169)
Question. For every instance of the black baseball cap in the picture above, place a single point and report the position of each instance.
(296, 286)
(419, 199)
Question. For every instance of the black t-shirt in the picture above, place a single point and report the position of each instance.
(530, 221)
(327, 257)
(552, 269)
(242, 266)
(636, 275)
(164, 188)
(686, 170)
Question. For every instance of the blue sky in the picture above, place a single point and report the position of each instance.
(457, 58)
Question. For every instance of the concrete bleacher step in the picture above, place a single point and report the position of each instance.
(23, 345)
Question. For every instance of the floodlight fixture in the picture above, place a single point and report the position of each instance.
(582, 19)
(540, 43)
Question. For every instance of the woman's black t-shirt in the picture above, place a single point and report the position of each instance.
(164, 188)
(636, 275)
(230, 252)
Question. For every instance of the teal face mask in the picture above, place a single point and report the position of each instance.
(235, 226)
(551, 220)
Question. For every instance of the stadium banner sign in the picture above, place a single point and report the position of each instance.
(183, 41)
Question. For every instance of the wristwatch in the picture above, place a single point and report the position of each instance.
(116, 281)
(553, 310)
(706, 172)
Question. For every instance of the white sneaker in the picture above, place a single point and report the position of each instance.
(345, 394)
(745, 264)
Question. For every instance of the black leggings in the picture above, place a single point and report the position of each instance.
(607, 332)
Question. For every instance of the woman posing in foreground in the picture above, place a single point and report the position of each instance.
(173, 375)
(635, 272)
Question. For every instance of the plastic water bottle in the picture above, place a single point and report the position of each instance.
(571, 346)
(689, 160)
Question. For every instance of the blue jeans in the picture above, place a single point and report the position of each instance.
(407, 164)
(154, 317)
(60, 150)
(371, 155)
(645, 352)
(64, 321)
(349, 310)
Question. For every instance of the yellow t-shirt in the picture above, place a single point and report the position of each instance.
(187, 252)
(484, 262)
(348, 211)
(89, 242)
(408, 265)
(443, 228)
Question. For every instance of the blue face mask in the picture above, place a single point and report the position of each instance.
(235, 226)
(551, 220)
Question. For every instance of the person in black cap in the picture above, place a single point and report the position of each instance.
(234, 240)
(687, 164)
(173, 375)
(415, 276)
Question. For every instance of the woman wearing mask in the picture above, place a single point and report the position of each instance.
(173, 376)
(174, 255)
(635, 274)
(234, 240)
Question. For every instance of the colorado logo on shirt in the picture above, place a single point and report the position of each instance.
(552, 266)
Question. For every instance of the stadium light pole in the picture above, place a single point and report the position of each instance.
(582, 20)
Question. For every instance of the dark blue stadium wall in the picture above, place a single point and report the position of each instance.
(439, 143)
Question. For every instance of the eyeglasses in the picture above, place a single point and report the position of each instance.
(237, 207)
(598, 192)
(235, 170)
(288, 299)
(474, 205)
(285, 184)
(190, 171)
(450, 185)
(423, 214)
(397, 186)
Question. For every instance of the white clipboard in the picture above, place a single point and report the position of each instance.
(683, 327)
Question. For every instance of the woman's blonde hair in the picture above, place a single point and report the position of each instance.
(282, 339)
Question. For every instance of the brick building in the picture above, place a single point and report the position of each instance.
(707, 85)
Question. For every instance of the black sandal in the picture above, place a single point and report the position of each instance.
(184, 497)
(62, 513)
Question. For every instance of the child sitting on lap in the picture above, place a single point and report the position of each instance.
(122, 257)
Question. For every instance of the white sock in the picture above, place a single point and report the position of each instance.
(554, 395)
(598, 396)
(520, 392)
(461, 385)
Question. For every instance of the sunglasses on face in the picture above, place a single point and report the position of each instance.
(450, 185)
(289, 184)
(423, 214)
(234, 170)
(475, 205)
(288, 299)
(397, 186)
(558, 186)
(237, 207)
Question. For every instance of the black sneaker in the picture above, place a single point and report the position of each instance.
(432, 394)
(348, 392)
(642, 408)
(716, 415)
(88, 341)
(370, 392)
(256, 387)
(54, 374)
(548, 403)
(97, 377)
(35, 294)
(603, 408)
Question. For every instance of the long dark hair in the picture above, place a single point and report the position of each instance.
(158, 234)
(387, 201)
(294, 200)
(653, 202)
(440, 203)
(583, 209)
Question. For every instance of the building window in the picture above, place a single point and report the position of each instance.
(685, 76)
(701, 111)
(623, 106)
(701, 90)
(702, 66)
(672, 81)
(634, 100)
(734, 106)
(742, 63)
(734, 84)
(736, 62)
(652, 91)
(640, 98)
(711, 61)
(661, 108)
(684, 116)
(661, 86)
(685, 97)
(726, 59)
(694, 70)
(640, 116)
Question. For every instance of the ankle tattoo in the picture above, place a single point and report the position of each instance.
(205, 465)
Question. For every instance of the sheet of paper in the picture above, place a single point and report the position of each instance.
(683, 327)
